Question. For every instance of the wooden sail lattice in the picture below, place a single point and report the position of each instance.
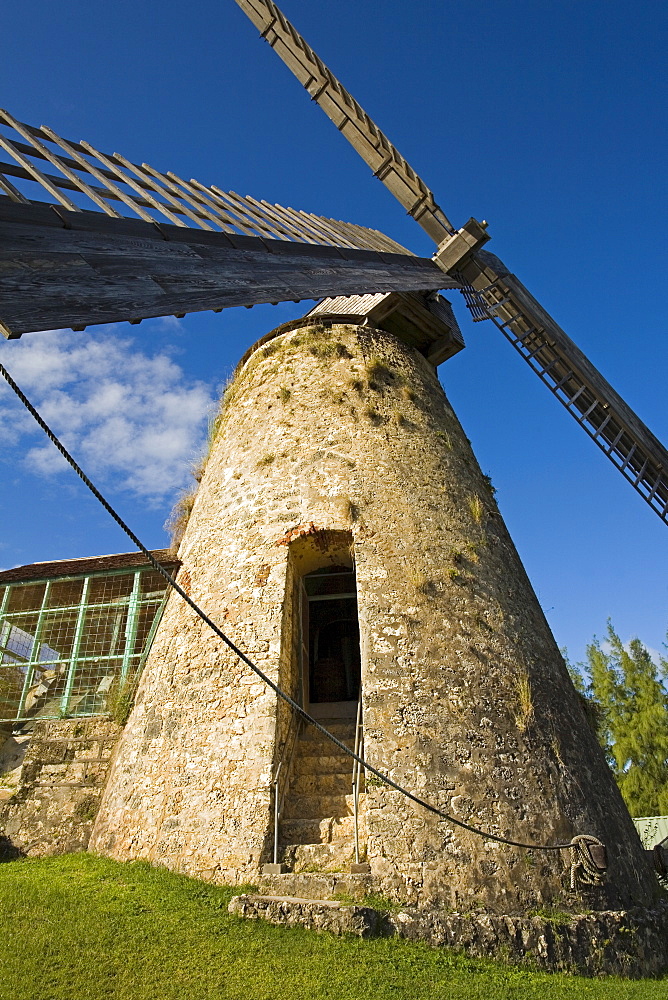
(117, 186)
(88, 237)
(570, 376)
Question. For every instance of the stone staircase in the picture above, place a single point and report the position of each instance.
(317, 827)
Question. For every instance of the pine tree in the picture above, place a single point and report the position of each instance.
(591, 707)
(630, 689)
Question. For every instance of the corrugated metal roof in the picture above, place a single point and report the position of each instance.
(351, 305)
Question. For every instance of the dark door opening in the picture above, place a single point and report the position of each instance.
(333, 644)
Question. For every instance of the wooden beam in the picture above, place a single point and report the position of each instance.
(61, 269)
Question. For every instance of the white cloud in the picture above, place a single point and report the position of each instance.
(132, 419)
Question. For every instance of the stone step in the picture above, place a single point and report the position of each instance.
(333, 857)
(324, 751)
(319, 783)
(316, 806)
(316, 886)
(323, 764)
(313, 750)
(343, 731)
(316, 831)
(318, 914)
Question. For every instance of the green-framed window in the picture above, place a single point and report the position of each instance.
(69, 645)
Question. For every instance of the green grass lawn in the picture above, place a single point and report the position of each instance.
(80, 927)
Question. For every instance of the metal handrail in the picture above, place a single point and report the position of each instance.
(358, 771)
(280, 788)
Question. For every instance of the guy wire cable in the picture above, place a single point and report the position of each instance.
(576, 846)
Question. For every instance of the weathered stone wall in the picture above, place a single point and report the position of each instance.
(58, 791)
(629, 943)
(467, 701)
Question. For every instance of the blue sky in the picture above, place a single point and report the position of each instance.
(547, 119)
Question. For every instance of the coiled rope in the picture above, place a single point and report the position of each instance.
(582, 862)
(583, 867)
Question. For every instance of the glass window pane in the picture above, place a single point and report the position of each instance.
(11, 686)
(152, 582)
(19, 635)
(25, 597)
(94, 677)
(58, 631)
(321, 582)
(146, 618)
(45, 693)
(108, 589)
(93, 683)
(65, 593)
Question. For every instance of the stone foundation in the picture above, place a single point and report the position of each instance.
(623, 943)
(55, 798)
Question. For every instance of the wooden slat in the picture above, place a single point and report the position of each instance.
(323, 229)
(37, 175)
(248, 219)
(328, 226)
(158, 189)
(60, 182)
(375, 243)
(262, 225)
(285, 229)
(178, 201)
(142, 190)
(373, 239)
(145, 184)
(298, 228)
(11, 191)
(329, 230)
(58, 162)
(229, 224)
(85, 164)
(250, 216)
(201, 196)
(384, 242)
(204, 198)
(182, 196)
(320, 229)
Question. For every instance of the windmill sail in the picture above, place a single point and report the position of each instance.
(122, 241)
(490, 290)
(494, 293)
(351, 120)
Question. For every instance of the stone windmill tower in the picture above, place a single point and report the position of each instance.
(344, 538)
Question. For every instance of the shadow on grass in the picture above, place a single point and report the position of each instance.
(8, 850)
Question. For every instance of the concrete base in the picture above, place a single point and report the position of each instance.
(629, 943)
(275, 869)
(363, 868)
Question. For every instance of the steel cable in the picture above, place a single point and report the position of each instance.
(577, 844)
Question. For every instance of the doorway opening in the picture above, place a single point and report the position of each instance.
(330, 642)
